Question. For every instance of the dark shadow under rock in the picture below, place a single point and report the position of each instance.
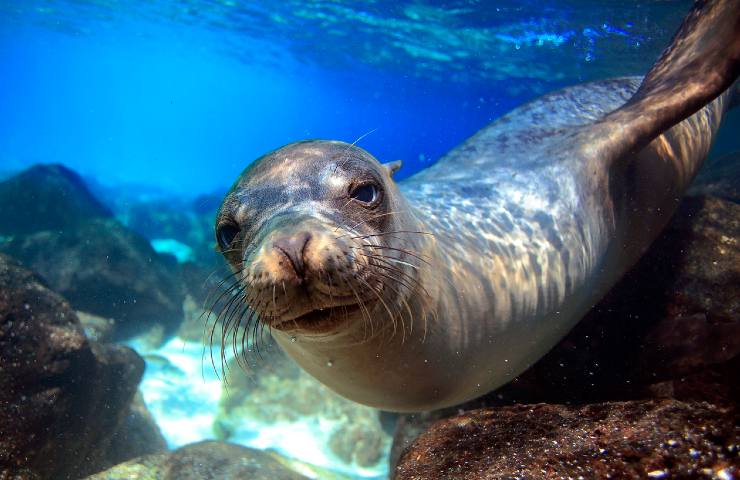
(634, 439)
(203, 461)
(137, 435)
(720, 177)
(46, 197)
(675, 313)
(61, 396)
(104, 268)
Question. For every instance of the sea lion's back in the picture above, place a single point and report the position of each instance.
(533, 134)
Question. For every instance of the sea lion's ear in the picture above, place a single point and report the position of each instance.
(393, 167)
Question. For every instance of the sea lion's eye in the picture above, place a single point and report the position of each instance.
(365, 193)
(225, 234)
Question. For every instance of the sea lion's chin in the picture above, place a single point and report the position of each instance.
(319, 321)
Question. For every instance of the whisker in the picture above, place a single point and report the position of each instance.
(216, 319)
(390, 259)
(392, 268)
(245, 335)
(380, 234)
(232, 305)
(408, 309)
(401, 250)
(362, 309)
(235, 335)
(391, 316)
(402, 278)
(362, 136)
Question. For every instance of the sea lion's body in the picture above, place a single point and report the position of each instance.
(531, 220)
(530, 235)
(527, 237)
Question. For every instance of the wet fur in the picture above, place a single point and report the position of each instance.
(531, 220)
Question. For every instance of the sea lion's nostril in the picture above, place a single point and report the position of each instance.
(293, 248)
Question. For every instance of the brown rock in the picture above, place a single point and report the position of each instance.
(204, 460)
(51, 222)
(137, 435)
(701, 323)
(46, 197)
(634, 439)
(105, 269)
(61, 396)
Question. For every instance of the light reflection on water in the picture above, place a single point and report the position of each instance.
(183, 391)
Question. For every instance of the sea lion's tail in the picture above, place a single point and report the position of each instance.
(702, 61)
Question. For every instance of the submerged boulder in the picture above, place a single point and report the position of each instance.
(137, 435)
(62, 397)
(633, 439)
(182, 226)
(104, 268)
(198, 461)
(46, 197)
(95, 262)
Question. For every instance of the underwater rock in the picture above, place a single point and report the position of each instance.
(633, 439)
(161, 219)
(701, 324)
(96, 328)
(358, 442)
(174, 219)
(138, 435)
(105, 269)
(720, 177)
(61, 396)
(216, 460)
(51, 222)
(46, 197)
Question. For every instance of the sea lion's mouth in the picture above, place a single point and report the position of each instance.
(320, 320)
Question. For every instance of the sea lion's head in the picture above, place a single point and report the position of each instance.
(314, 232)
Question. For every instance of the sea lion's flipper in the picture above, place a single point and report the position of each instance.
(702, 61)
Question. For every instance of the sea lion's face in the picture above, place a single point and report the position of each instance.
(307, 230)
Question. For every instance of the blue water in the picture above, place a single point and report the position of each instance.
(177, 98)
(182, 97)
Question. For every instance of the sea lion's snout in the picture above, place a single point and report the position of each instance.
(305, 275)
(293, 247)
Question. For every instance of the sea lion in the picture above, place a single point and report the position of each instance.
(428, 293)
